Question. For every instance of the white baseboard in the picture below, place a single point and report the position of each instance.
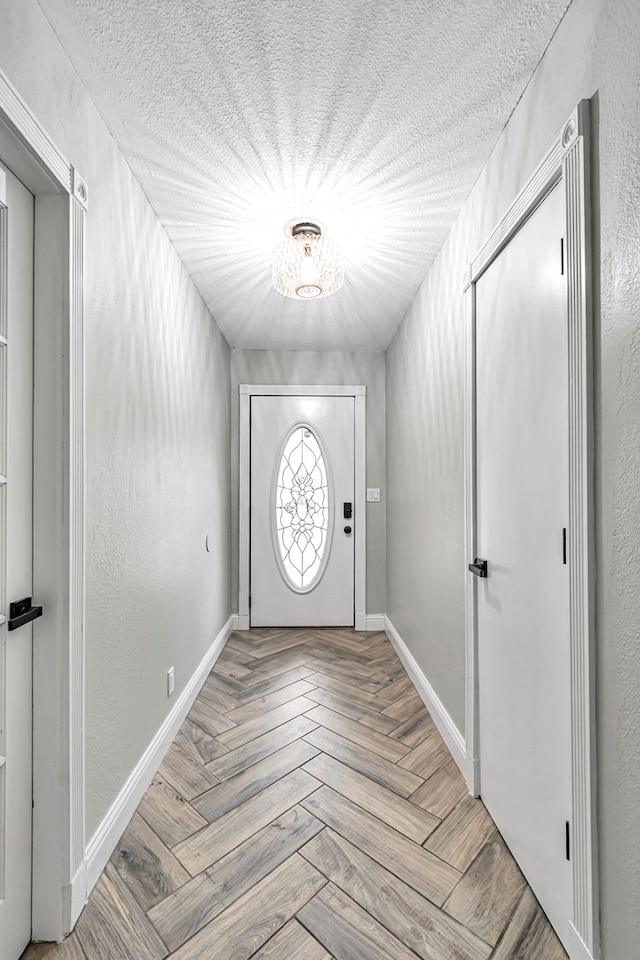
(104, 840)
(577, 948)
(370, 621)
(442, 719)
(473, 775)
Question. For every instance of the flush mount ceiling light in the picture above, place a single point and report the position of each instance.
(306, 264)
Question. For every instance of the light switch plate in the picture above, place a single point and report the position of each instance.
(373, 494)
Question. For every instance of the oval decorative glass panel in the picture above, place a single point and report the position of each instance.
(301, 508)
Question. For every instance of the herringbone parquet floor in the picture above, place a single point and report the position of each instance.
(309, 809)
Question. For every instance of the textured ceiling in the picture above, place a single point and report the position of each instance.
(373, 117)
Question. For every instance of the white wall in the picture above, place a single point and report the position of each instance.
(157, 396)
(296, 367)
(595, 53)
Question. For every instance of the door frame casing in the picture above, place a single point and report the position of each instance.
(248, 390)
(59, 890)
(566, 164)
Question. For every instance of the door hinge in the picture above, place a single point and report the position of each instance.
(567, 840)
(564, 544)
(562, 256)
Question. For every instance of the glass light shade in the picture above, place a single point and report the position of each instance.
(307, 265)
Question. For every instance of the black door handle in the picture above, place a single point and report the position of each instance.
(21, 612)
(347, 530)
(479, 568)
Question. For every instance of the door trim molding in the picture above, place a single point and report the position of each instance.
(566, 164)
(359, 393)
(59, 524)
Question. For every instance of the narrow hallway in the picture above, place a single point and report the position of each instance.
(309, 809)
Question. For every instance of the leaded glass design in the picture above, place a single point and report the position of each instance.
(302, 508)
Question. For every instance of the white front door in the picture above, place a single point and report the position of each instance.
(16, 505)
(522, 516)
(302, 511)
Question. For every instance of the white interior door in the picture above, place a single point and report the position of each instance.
(302, 475)
(522, 510)
(16, 505)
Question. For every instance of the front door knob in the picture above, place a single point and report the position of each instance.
(347, 530)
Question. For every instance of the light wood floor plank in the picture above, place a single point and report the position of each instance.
(358, 733)
(69, 949)
(345, 689)
(268, 720)
(529, 936)
(430, 876)
(249, 753)
(249, 922)
(355, 711)
(292, 942)
(462, 835)
(398, 689)
(347, 931)
(234, 791)
(209, 719)
(347, 643)
(181, 915)
(417, 923)
(210, 694)
(239, 650)
(377, 721)
(197, 744)
(271, 684)
(226, 667)
(277, 646)
(442, 791)
(214, 841)
(146, 865)
(379, 645)
(403, 816)
(346, 675)
(415, 730)
(256, 708)
(370, 764)
(405, 708)
(427, 757)
(271, 667)
(168, 813)
(358, 665)
(258, 635)
(485, 898)
(228, 685)
(205, 897)
(113, 926)
(187, 776)
(387, 671)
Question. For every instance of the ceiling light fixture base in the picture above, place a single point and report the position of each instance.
(307, 265)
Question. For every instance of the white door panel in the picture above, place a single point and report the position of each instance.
(522, 508)
(16, 439)
(302, 474)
